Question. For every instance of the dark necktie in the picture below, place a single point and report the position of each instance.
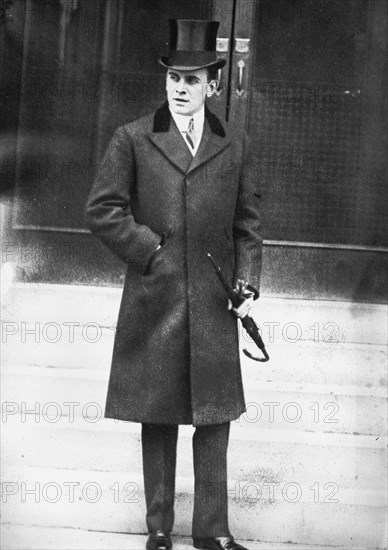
(190, 134)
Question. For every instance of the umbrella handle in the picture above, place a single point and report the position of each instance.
(261, 359)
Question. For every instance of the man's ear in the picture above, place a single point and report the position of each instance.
(211, 87)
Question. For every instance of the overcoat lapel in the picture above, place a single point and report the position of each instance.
(211, 144)
(173, 147)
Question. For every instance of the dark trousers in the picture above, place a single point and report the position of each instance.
(210, 444)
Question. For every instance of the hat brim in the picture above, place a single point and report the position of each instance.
(165, 62)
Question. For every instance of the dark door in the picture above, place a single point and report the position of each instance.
(308, 77)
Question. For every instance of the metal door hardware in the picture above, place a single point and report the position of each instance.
(222, 45)
(242, 45)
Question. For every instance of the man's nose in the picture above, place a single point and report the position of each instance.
(181, 88)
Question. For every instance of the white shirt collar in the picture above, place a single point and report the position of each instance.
(182, 121)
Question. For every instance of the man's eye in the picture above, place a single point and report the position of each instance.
(173, 77)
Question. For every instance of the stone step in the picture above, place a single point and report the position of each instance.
(288, 320)
(277, 405)
(21, 537)
(271, 456)
(328, 362)
(114, 502)
(299, 362)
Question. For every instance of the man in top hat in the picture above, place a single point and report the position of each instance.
(172, 187)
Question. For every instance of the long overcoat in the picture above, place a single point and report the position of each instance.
(176, 354)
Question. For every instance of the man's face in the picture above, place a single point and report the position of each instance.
(187, 90)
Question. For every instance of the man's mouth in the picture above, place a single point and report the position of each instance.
(178, 100)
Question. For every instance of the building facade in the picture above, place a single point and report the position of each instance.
(305, 78)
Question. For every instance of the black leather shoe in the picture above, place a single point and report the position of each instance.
(157, 540)
(221, 543)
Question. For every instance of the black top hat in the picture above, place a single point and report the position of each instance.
(192, 45)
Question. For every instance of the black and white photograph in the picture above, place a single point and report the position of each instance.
(194, 274)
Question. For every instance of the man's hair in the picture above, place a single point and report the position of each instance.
(212, 74)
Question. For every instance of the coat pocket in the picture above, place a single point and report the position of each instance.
(148, 270)
(158, 255)
(227, 252)
(228, 237)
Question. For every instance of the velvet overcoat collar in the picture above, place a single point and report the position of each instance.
(167, 138)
